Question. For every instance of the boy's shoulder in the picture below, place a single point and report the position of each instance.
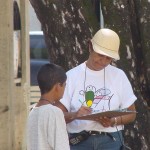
(46, 109)
(51, 108)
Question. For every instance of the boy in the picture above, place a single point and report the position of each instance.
(46, 128)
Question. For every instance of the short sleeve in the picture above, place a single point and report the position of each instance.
(126, 92)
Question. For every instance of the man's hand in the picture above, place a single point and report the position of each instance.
(104, 121)
(83, 111)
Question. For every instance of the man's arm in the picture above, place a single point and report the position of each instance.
(121, 120)
(128, 118)
(70, 116)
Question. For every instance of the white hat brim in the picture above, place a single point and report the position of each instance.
(104, 51)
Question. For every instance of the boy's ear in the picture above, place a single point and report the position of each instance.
(57, 86)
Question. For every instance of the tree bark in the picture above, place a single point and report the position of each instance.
(67, 25)
(121, 16)
(142, 11)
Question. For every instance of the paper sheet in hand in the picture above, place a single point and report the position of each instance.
(109, 114)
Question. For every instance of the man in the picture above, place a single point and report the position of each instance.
(97, 86)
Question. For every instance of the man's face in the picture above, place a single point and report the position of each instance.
(97, 61)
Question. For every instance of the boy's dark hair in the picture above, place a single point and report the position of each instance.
(49, 75)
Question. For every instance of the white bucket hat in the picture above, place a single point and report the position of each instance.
(106, 42)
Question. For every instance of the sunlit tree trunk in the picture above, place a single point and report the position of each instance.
(142, 11)
(67, 26)
(124, 17)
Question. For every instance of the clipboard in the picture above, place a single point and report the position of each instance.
(109, 114)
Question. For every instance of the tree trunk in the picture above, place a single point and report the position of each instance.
(142, 11)
(67, 25)
(122, 17)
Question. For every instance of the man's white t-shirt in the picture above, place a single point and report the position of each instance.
(46, 129)
(104, 90)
